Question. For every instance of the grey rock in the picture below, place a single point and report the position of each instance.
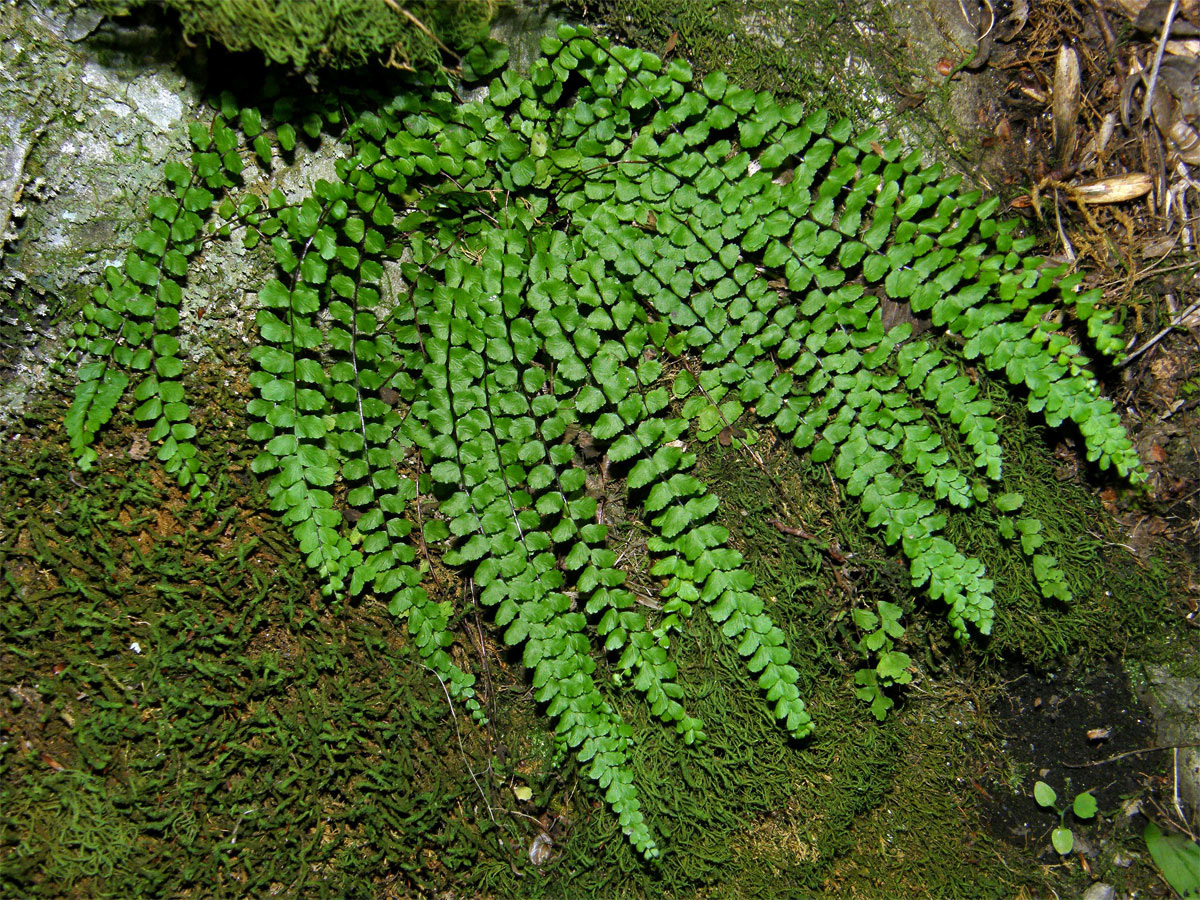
(1124, 860)
(87, 118)
(1099, 891)
(81, 23)
(1175, 703)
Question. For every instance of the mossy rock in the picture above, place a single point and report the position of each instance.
(415, 34)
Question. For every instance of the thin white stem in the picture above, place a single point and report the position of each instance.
(1158, 55)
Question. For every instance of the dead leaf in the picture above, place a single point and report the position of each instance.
(1066, 102)
(51, 762)
(1132, 7)
(539, 850)
(1159, 246)
(1190, 47)
(1153, 15)
(1157, 453)
(1097, 144)
(1164, 368)
(1175, 104)
(979, 17)
(1116, 189)
(1012, 24)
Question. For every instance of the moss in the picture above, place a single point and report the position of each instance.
(872, 63)
(828, 55)
(182, 713)
(910, 820)
(807, 51)
(1117, 597)
(334, 33)
(261, 740)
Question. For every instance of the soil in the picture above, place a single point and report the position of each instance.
(1086, 731)
(1072, 733)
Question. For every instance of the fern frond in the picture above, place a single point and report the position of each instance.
(603, 248)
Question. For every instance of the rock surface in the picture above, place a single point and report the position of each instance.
(90, 110)
(1175, 703)
(1100, 891)
(88, 115)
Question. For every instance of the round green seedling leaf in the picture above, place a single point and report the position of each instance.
(1063, 840)
(1084, 805)
(1044, 795)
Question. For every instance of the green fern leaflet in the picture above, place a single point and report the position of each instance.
(599, 248)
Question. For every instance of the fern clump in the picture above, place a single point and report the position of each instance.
(600, 248)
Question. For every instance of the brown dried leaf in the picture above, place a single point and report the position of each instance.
(1159, 246)
(1153, 15)
(1116, 189)
(1012, 24)
(1183, 139)
(1066, 102)
(1098, 143)
(1189, 47)
(51, 761)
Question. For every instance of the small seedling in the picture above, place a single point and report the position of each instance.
(1084, 807)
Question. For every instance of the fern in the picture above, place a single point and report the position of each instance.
(599, 248)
